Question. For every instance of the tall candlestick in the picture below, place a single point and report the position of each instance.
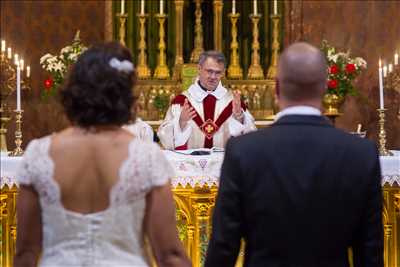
(142, 7)
(381, 105)
(18, 88)
(28, 71)
(396, 59)
(122, 6)
(9, 53)
(384, 71)
(161, 7)
(3, 46)
(233, 7)
(255, 7)
(275, 7)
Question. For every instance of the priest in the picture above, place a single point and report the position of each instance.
(207, 114)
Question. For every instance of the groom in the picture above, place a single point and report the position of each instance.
(300, 192)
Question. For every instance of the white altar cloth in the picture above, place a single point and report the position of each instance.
(202, 169)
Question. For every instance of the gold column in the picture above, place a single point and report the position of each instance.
(218, 25)
(234, 69)
(178, 38)
(122, 27)
(198, 40)
(271, 74)
(255, 71)
(161, 71)
(143, 69)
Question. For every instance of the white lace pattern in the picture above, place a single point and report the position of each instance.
(112, 237)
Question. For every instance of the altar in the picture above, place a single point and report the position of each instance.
(195, 187)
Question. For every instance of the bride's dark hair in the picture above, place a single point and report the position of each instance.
(97, 94)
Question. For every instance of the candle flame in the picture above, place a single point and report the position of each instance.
(380, 63)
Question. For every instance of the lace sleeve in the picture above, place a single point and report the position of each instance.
(25, 173)
(160, 171)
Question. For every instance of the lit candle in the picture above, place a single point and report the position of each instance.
(233, 7)
(161, 7)
(390, 68)
(18, 88)
(396, 59)
(142, 7)
(21, 64)
(275, 7)
(380, 86)
(3, 46)
(9, 53)
(384, 71)
(122, 6)
(255, 7)
(28, 71)
(16, 61)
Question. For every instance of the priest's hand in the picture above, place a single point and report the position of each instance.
(187, 114)
(237, 111)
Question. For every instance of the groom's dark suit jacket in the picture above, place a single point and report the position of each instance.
(300, 193)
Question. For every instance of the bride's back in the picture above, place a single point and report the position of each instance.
(96, 187)
(87, 166)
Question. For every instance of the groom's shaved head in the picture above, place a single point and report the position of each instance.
(302, 72)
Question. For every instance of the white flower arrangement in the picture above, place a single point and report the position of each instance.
(57, 65)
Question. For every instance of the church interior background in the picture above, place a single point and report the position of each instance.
(366, 28)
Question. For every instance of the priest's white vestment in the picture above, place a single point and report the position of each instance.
(213, 124)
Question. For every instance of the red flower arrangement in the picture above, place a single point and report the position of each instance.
(342, 70)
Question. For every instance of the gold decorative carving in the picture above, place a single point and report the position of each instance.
(162, 71)
(234, 69)
(255, 71)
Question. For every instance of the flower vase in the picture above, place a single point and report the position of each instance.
(332, 104)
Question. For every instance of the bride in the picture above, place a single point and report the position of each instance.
(91, 193)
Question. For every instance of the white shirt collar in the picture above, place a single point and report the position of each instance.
(298, 110)
(199, 94)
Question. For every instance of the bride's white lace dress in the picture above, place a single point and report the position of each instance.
(112, 237)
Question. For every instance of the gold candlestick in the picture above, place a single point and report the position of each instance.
(255, 71)
(234, 69)
(143, 69)
(198, 40)
(271, 74)
(162, 71)
(122, 27)
(18, 134)
(382, 134)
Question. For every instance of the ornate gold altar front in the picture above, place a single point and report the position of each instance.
(193, 212)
